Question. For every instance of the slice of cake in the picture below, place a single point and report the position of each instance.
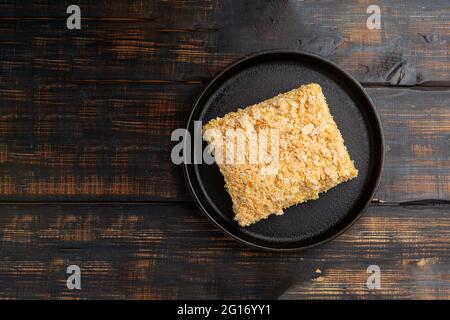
(280, 152)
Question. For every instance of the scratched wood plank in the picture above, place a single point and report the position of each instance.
(82, 118)
(90, 142)
(193, 40)
(103, 141)
(416, 126)
(172, 251)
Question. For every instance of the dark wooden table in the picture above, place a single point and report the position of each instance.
(85, 171)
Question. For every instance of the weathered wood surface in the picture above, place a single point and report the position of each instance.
(171, 251)
(87, 116)
(193, 40)
(112, 142)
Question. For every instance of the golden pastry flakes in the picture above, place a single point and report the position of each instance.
(292, 152)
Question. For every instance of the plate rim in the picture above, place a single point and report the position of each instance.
(379, 164)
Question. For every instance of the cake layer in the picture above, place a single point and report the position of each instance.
(278, 153)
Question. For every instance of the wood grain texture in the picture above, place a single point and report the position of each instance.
(193, 40)
(86, 116)
(91, 142)
(98, 141)
(172, 251)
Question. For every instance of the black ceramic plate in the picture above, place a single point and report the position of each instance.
(259, 77)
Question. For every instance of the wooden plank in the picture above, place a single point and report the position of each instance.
(83, 119)
(91, 142)
(416, 126)
(172, 251)
(87, 115)
(107, 141)
(193, 40)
